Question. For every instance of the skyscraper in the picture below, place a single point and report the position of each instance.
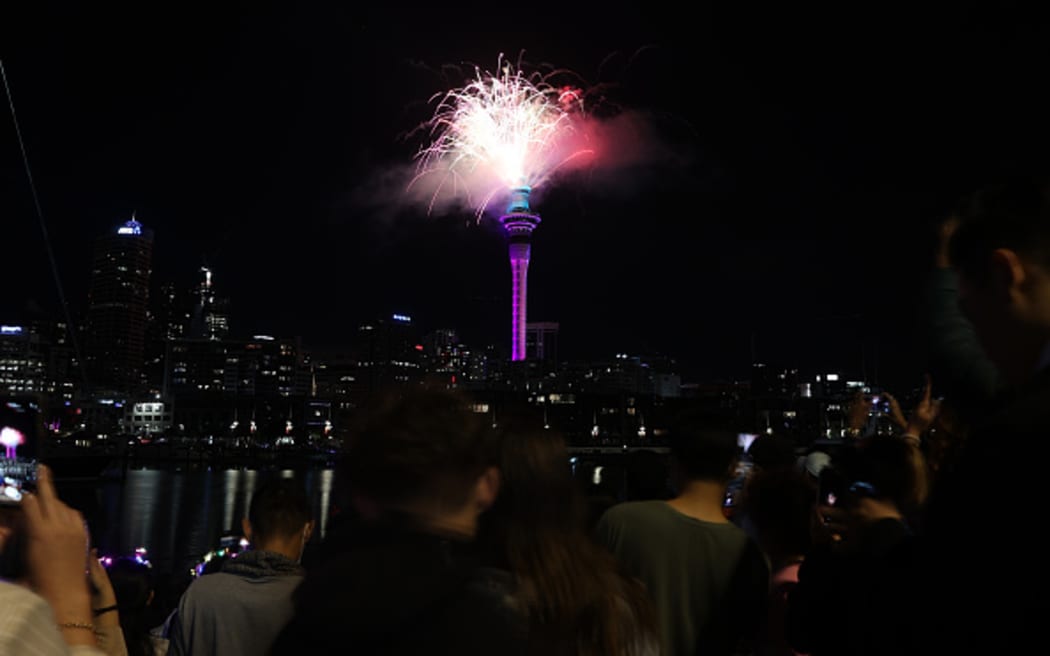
(23, 364)
(519, 222)
(117, 307)
(386, 353)
(210, 318)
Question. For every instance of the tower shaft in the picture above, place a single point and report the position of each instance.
(519, 222)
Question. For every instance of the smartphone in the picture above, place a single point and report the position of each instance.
(831, 486)
(20, 430)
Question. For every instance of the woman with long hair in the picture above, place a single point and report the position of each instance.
(569, 589)
(133, 585)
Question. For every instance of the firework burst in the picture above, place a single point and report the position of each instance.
(500, 132)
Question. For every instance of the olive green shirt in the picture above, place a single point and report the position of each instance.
(708, 581)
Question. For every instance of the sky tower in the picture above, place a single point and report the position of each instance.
(500, 132)
(519, 221)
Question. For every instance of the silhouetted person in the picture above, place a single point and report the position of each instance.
(647, 476)
(569, 589)
(406, 577)
(772, 451)
(960, 364)
(852, 591)
(133, 585)
(241, 609)
(49, 612)
(779, 503)
(707, 578)
(1001, 252)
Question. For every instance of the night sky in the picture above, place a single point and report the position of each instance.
(799, 160)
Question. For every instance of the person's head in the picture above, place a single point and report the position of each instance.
(133, 586)
(279, 518)
(1001, 251)
(422, 452)
(569, 587)
(536, 483)
(703, 448)
(772, 452)
(888, 470)
(647, 476)
(779, 502)
(132, 583)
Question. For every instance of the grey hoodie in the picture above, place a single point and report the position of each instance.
(239, 610)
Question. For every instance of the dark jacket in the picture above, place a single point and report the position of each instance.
(979, 563)
(854, 602)
(398, 590)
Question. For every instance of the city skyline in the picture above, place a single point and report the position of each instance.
(184, 315)
(782, 214)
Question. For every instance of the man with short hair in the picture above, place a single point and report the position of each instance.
(405, 576)
(707, 578)
(241, 609)
(1001, 253)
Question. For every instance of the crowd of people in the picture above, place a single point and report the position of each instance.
(458, 538)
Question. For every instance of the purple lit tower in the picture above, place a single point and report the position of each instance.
(519, 222)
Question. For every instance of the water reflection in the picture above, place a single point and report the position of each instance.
(178, 515)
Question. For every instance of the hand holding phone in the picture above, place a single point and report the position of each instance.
(20, 428)
(56, 541)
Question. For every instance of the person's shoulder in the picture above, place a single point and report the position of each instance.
(630, 510)
(21, 604)
(495, 591)
(634, 517)
(486, 617)
(27, 624)
(206, 589)
(17, 596)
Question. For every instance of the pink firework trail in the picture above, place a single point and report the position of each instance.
(498, 133)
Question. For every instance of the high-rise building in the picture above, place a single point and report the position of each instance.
(117, 307)
(386, 353)
(169, 319)
(210, 319)
(23, 362)
(444, 357)
(171, 312)
(519, 222)
(541, 341)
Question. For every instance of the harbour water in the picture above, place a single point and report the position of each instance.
(179, 513)
(179, 510)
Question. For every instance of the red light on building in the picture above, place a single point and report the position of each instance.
(419, 347)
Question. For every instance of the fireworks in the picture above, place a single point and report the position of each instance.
(500, 132)
(504, 135)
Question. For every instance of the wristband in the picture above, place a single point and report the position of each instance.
(77, 625)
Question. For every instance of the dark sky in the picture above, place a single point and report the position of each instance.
(807, 154)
